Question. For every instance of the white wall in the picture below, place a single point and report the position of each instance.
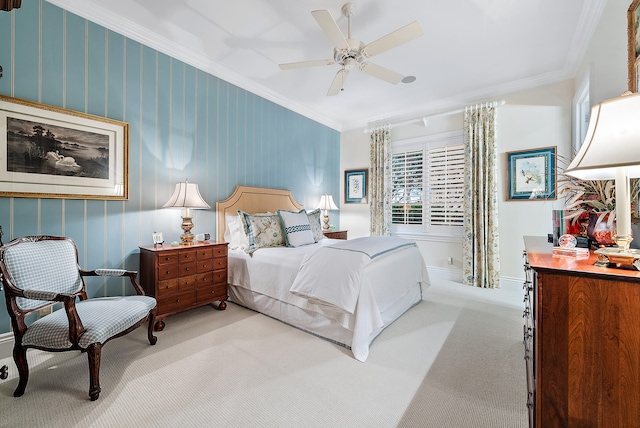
(606, 59)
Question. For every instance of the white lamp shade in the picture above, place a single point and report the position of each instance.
(186, 195)
(612, 141)
(326, 203)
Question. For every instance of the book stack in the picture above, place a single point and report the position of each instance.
(571, 252)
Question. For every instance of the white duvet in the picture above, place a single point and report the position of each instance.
(273, 271)
(332, 275)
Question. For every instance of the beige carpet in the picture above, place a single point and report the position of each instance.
(455, 360)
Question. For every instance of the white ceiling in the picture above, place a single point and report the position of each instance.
(470, 50)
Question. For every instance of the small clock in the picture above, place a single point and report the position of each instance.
(567, 241)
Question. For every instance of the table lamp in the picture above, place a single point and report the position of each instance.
(186, 195)
(611, 150)
(326, 203)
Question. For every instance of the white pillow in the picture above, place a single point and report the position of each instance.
(234, 233)
(297, 230)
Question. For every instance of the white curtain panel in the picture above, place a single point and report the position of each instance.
(480, 252)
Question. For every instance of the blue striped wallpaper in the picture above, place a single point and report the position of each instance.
(184, 124)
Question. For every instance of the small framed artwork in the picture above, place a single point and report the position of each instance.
(531, 174)
(157, 238)
(633, 45)
(355, 186)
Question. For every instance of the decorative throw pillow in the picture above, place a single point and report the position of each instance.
(316, 226)
(297, 230)
(262, 230)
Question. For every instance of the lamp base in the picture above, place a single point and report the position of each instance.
(617, 257)
(187, 237)
(325, 222)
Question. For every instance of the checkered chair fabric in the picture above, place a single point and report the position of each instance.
(46, 266)
(102, 318)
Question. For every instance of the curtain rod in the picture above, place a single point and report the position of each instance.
(425, 118)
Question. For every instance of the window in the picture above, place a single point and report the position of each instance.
(406, 176)
(428, 185)
(582, 111)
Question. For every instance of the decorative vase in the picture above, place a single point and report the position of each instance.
(600, 231)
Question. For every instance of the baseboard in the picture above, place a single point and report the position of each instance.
(456, 276)
(6, 345)
(446, 274)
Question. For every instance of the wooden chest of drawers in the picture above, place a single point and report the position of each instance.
(184, 277)
(582, 338)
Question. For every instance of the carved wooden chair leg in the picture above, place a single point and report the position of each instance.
(152, 322)
(20, 357)
(93, 353)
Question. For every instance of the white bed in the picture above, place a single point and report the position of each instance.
(262, 281)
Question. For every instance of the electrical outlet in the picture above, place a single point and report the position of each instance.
(449, 260)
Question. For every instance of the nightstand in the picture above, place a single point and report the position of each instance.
(184, 277)
(335, 234)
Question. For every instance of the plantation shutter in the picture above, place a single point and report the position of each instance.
(446, 185)
(407, 179)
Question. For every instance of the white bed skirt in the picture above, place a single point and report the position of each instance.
(317, 324)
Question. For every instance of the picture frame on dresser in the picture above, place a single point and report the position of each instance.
(52, 152)
(531, 174)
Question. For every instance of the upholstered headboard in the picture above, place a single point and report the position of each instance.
(253, 200)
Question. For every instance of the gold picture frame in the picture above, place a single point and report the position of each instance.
(633, 46)
(51, 152)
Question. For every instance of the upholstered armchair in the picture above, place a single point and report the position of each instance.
(37, 271)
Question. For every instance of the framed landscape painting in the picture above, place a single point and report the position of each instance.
(50, 152)
(531, 174)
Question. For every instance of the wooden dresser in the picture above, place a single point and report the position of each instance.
(582, 341)
(184, 277)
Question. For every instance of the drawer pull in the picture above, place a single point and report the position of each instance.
(177, 300)
(168, 272)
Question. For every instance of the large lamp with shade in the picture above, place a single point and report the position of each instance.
(186, 195)
(611, 150)
(326, 203)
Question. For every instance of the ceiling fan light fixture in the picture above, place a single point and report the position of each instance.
(350, 52)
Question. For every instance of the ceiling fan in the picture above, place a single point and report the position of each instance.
(349, 52)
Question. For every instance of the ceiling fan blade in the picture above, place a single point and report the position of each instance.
(303, 64)
(330, 28)
(338, 82)
(381, 72)
(391, 40)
